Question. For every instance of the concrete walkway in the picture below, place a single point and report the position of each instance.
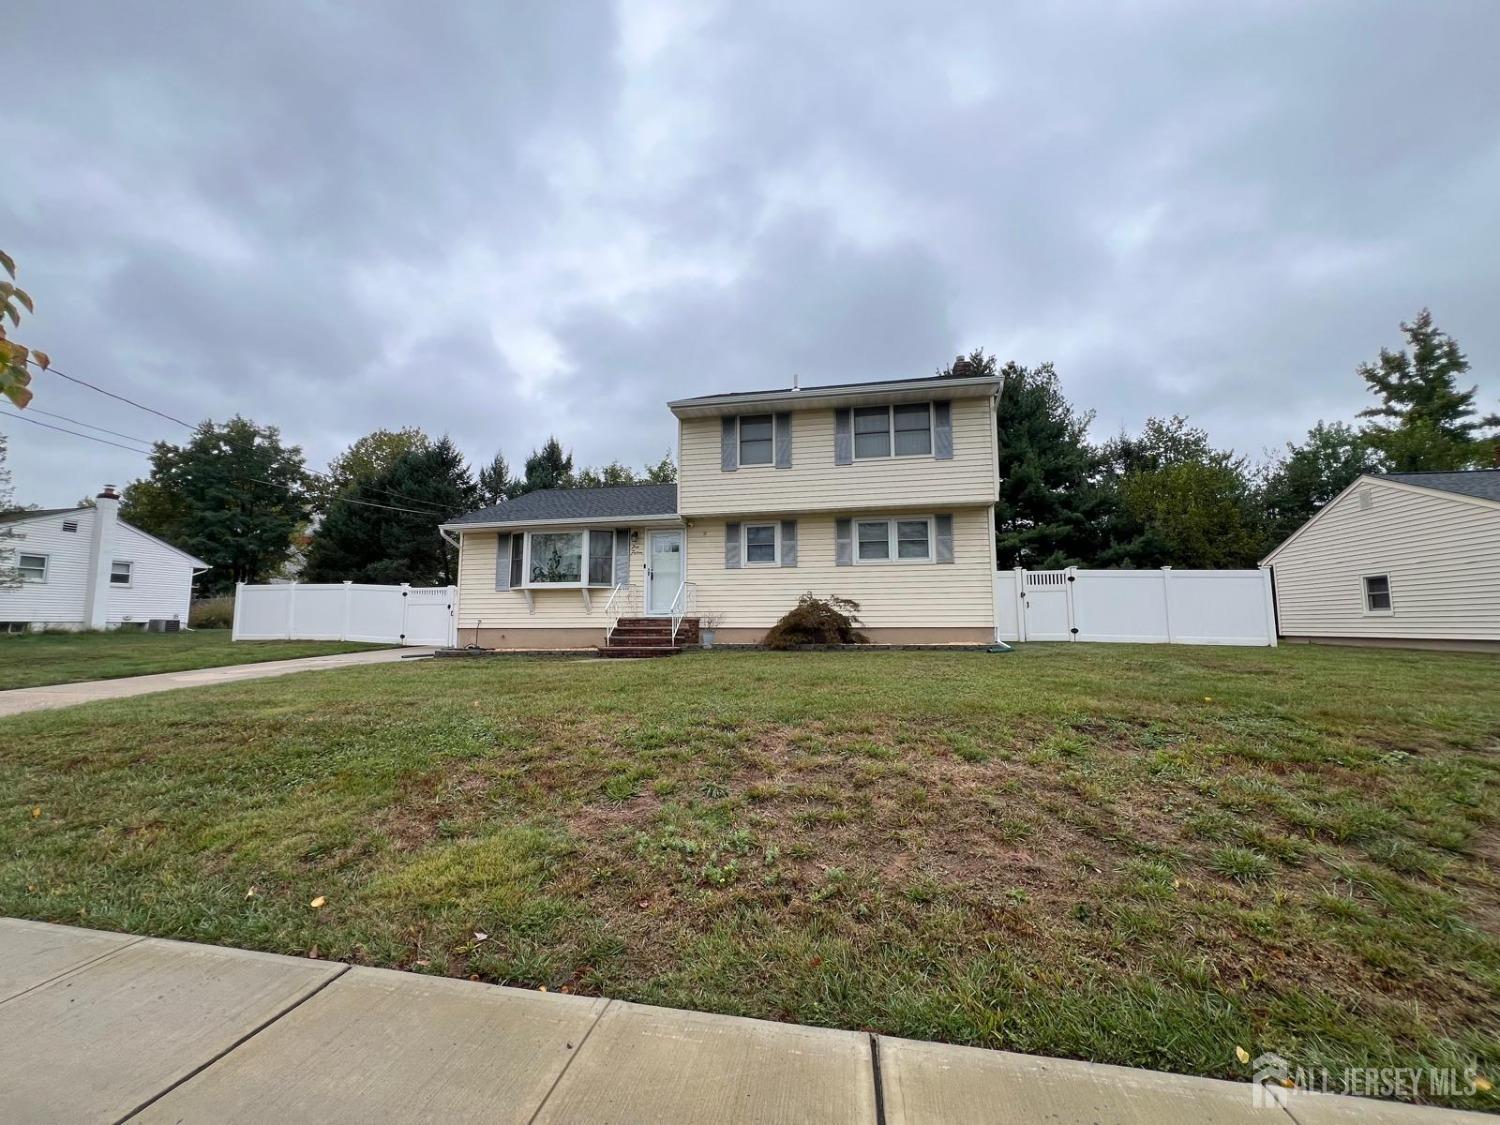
(20, 700)
(107, 1027)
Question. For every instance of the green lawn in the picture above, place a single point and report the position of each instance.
(1137, 855)
(35, 659)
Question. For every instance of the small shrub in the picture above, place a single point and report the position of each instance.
(1241, 864)
(818, 621)
(212, 613)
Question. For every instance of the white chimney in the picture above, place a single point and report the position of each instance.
(101, 558)
(796, 381)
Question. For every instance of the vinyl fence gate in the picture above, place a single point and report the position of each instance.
(1166, 606)
(345, 611)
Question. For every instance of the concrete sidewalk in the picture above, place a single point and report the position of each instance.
(20, 700)
(107, 1027)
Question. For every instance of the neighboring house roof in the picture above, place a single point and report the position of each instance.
(839, 394)
(1469, 485)
(34, 513)
(579, 505)
(23, 514)
(1483, 483)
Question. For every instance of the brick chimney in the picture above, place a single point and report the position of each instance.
(101, 558)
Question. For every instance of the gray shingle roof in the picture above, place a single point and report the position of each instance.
(616, 502)
(1484, 483)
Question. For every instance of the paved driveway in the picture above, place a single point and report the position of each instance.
(67, 695)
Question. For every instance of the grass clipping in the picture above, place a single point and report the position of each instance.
(818, 621)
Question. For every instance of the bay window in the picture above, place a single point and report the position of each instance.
(568, 558)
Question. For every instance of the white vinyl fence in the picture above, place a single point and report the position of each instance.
(345, 611)
(1182, 607)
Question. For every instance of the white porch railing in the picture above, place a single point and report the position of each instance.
(624, 601)
(682, 605)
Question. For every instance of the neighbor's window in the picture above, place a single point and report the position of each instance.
(33, 568)
(119, 574)
(601, 558)
(900, 431)
(1377, 594)
(556, 557)
(760, 544)
(756, 431)
(893, 540)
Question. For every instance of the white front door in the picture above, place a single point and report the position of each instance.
(663, 571)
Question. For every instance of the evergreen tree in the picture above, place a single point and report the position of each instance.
(548, 467)
(495, 482)
(233, 495)
(1048, 506)
(613, 473)
(663, 472)
(1311, 474)
(1428, 423)
(370, 537)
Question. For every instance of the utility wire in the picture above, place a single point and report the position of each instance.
(180, 422)
(75, 433)
(90, 425)
(111, 394)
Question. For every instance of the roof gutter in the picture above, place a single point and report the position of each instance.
(666, 518)
(924, 388)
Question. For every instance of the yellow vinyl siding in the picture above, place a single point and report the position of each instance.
(815, 484)
(1442, 555)
(896, 595)
(479, 603)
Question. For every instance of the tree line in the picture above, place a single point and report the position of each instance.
(240, 498)
(1168, 496)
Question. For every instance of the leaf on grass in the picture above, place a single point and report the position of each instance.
(1482, 1084)
(36, 811)
(1242, 1054)
(250, 893)
(480, 935)
(318, 902)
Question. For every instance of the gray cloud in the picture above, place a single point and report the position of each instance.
(501, 221)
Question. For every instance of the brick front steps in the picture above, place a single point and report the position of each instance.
(650, 636)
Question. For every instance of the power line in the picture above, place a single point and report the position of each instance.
(180, 422)
(257, 480)
(111, 394)
(90, 425)
(75, 433)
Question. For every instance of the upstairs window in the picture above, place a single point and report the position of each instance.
(893, 431)
(756, 439)
(119, 574)
(33, 568)
(1377, 593)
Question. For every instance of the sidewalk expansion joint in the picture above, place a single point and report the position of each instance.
(879, 1079)
(64, 975)
(556, 1082)
(243, 1039)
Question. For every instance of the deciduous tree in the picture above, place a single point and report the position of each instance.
(15, 376)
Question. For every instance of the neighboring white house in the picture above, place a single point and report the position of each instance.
(85, 568)
(1407, 559)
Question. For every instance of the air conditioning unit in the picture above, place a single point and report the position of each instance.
(164, 625)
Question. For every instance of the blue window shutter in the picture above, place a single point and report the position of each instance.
(843, 542)
(788, 542)
(729, 444)
(942, 431)
(731, 546)
(843, 437)
(502, 561)
(783, 429)
(622, 556)
(943, 534)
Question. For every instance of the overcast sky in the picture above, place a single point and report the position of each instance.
(503, 220)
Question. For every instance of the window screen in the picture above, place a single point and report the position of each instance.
(1378, 593)
(601, 558)
(33, 568)
(760, 543)
(119, 573)
(913, 430)
(874, 540)
(872, 432)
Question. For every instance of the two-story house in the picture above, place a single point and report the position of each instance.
(880, 492)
